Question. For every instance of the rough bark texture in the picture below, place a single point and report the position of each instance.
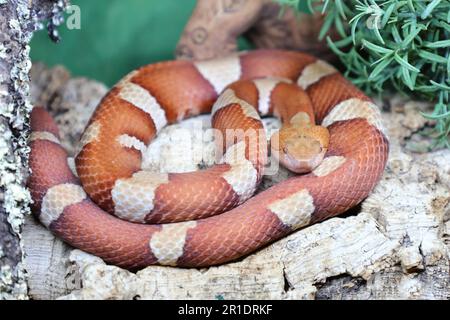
(18, 20)
(395, 245)
(214, 27)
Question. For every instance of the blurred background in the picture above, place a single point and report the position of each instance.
(116, 36)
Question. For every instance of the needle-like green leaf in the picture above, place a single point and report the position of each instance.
(401, 45)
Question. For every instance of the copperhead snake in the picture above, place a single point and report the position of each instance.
(207, 217)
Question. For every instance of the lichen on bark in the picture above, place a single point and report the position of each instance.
(395, 245)
(18, 20)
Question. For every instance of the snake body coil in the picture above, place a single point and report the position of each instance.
(207, 217)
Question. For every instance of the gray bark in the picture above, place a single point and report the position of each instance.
(18, 20)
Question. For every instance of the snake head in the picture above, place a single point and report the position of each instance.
(300, 148)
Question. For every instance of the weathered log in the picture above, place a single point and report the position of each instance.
(214, 27)
(395, 245)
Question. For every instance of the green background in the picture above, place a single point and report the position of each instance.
(117, 36)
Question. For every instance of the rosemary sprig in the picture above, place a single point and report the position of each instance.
(402, 45)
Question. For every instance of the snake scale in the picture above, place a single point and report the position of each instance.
(133, 218)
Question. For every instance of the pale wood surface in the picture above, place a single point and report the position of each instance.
(395, 245)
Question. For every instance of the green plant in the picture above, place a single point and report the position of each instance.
(393, 44)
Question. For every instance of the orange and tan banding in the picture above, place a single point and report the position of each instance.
(44, 135)
(208, 217)
(72, 166)
(242, 176)
(90, 134)
(229, 97)
(354, 108)
(57, 198)
(220, 72)
(265, 87)
(294, 210)
(329, 165)
(128, 141)
(167, 244)
(314, 72)
(133, 197)
(142, 99)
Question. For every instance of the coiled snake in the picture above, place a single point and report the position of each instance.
(208, 217)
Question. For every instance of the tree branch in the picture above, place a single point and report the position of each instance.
(18, 20)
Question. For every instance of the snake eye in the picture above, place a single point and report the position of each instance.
(300, 148)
